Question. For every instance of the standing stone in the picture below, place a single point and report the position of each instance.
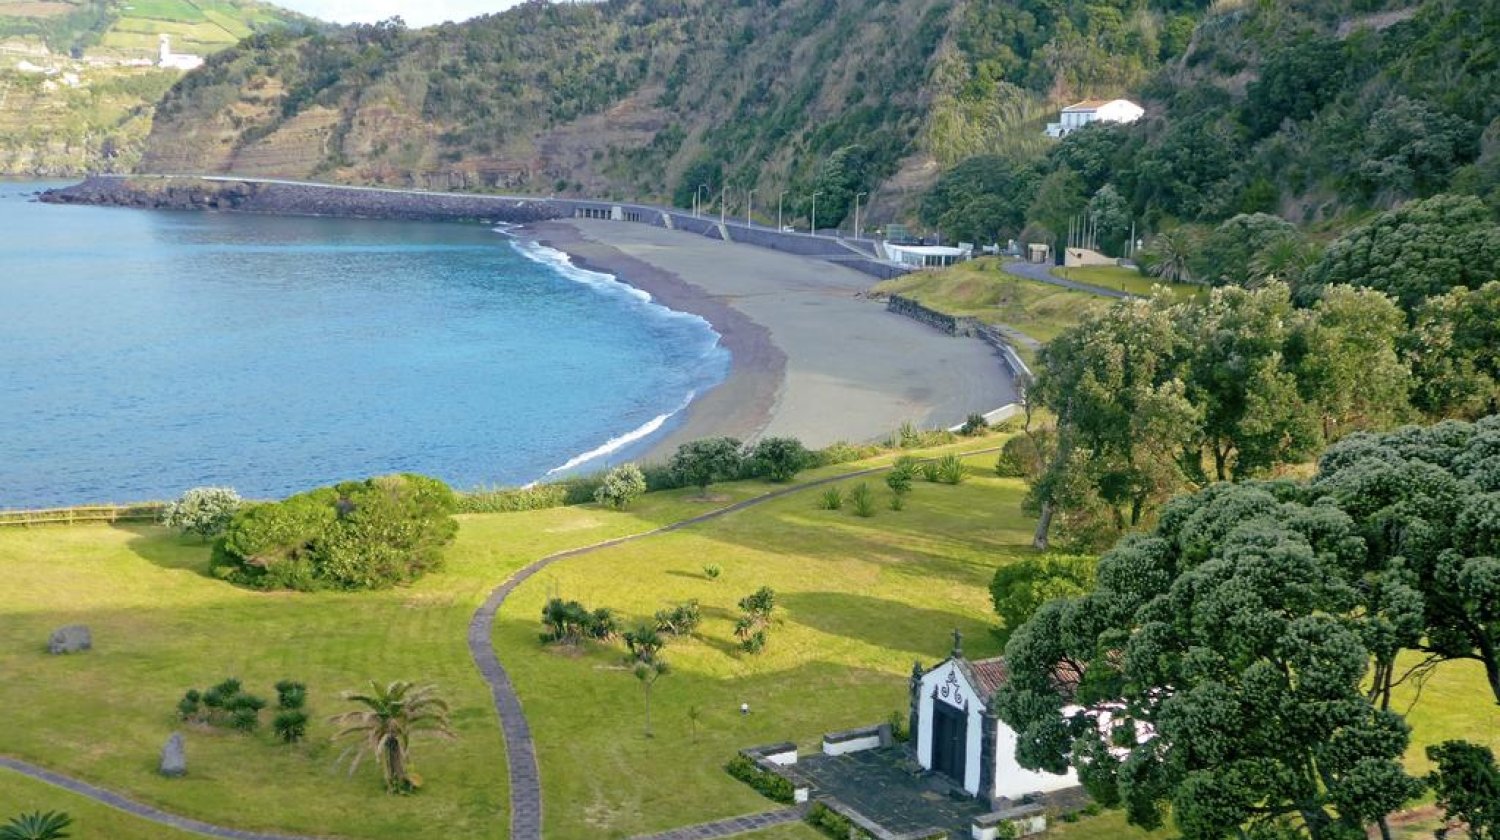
(70, 639)
(173, 757)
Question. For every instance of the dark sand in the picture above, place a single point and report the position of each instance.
(811, 357)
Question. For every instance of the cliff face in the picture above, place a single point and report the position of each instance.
(657, 99)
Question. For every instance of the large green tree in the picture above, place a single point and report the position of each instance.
(1454, 350)
(1348, 370)
(1231, 254)
(1427, 504)
(1114, 383)
(1417, 251)
(1217, 668)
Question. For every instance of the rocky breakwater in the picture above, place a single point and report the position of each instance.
(296, 199)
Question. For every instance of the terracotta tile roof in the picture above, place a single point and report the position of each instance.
(990, 674)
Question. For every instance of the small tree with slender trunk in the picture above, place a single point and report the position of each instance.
(384, 725)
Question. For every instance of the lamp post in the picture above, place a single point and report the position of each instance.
(749, 206)
(814, 230)
(778, 209)
(723, 197)
(857, 197)
(696, 203)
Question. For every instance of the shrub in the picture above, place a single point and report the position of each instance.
(930, 470)
(621, 486)
(898, 501)
(225, 704)
(1020, 457)
(907, 436)
(842, 453)
(680, 620)
(712, 571)
(769, 785)
(755, 621)
(862, 500)
(974, 424)
(356, 535)
(511, 500)
(950, 469)
(38, 825)
(900, 727)
(570, 622)
(832, 823)
(290, 725)
(205, 511)
(702, 462)
(900, 477)
(644, 642)
(831, 499)
(290, 695)
(779, 459)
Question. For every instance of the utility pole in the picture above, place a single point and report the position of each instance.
(697, 205)
(749, 206)
(723, 197)
(778, 209)
(857, 197)
(814, 230)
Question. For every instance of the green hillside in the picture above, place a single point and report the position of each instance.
(1320, 111)
(78, 83)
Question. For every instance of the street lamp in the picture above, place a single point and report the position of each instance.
(857, 197)
(749, 206)
(696, 204)
(814, 230)
(778, 209)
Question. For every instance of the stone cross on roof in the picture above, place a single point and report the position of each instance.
(958, 644)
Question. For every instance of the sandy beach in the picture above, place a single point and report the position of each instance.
(812, 357)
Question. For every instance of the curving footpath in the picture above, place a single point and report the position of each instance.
(130, 806)
(520, 750)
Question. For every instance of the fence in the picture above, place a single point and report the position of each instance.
(145, 512)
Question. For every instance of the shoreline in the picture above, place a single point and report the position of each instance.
(739, 406)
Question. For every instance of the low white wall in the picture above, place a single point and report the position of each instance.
(868, 742)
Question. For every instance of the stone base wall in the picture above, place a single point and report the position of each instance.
(950, 324)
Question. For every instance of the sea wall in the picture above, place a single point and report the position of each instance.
(293, 199)
(950, 324)
(250, 195)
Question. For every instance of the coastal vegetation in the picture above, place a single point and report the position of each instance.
(356, 535)
(838, 656)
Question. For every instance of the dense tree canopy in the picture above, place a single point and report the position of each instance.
(1223, 652)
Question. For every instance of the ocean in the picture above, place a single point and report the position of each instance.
(146, 352)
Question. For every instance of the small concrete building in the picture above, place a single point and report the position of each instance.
(1080, 114)
(175, 61)
(958, 734)
(927, 256)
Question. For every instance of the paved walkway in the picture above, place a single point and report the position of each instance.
(130, 806)
(731, 826)
(1043, 274)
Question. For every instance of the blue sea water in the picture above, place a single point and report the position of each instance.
(146, 352)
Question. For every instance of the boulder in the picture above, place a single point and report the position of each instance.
(70, 639)
(173, 757)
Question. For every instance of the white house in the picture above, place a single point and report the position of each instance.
(958, 735)
(176, 61)
(1088, 111)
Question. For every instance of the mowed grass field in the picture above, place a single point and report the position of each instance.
(980, 289)
(1128, 280)
(858, 601)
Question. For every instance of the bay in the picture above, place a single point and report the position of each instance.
(146, 352)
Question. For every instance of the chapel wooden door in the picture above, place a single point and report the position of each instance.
(949, 741)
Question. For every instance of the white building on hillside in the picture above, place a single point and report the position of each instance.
(928, 256)
(176, 61)
(1088, 111)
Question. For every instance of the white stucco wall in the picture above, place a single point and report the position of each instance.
(1120, 111)
(1012, 780)
(959, 691)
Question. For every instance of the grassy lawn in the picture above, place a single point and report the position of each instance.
(859, 600)
(20, 794)
(161, 625)
(1126, 280)
(979, 289)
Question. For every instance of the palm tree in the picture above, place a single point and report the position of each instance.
(390, 716)
(1171, 253)
(48, 825)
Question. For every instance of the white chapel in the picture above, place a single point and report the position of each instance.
(957, 734)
